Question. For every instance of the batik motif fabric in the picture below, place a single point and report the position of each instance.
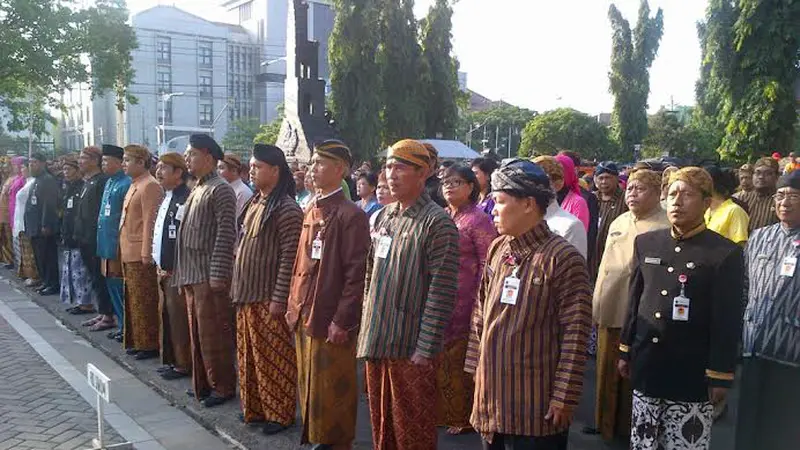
(6, 253)
(660, 424)
(267, 365)
(328, 388)
(75, 286)
(26, 265)
(141, 306)
(402, 404)
(175, 345)
(614, 393)
(454, 386)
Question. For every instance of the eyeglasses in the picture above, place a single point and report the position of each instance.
(792, 197)
(453, 182)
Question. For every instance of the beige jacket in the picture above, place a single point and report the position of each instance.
(610, 301)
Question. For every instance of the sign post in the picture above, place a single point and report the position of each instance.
(99, 382)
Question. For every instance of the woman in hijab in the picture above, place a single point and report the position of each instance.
(569, 193)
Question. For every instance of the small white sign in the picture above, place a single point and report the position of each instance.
(98, 381)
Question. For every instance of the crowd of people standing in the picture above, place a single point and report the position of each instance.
(474, 294)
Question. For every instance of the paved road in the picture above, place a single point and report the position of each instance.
(39, 409)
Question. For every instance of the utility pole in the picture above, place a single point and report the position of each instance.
(509, 140)
(497, 137)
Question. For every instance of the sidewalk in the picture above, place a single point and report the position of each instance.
(47, 403)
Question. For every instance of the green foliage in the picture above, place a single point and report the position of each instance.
(45, 46)
(355, 76)
(497, 121)
(632, 54)
(749, 68)
(400, 63)
(440, 90)
(268, 133)
(682, 133)
(242, 133)
(566, 129)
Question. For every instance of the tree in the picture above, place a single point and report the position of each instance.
(439, 72)
(749, 69)
(242, 133)
(632, 54)
(495, 124)
(566, 129)
(355, 98)
(46, 46)
(399, 60)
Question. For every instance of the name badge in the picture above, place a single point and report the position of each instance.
(680, 308)
(316, 249)
(33, 200)
(172, 231)
(69, 203)
(649, 260)
(788, 267)
(384, 244)
(107, 210)
(510, 291)
(179, 213)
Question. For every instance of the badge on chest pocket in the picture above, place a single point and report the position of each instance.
(33, 200)
(316, 249)
(680, 309)
(172, 231)
(179, 213)
(69, 203)
(384, 244)
(107, 210)
(788, 266)
(510, 290)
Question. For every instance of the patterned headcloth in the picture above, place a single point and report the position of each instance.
(233, 161)
(550, 166)
(174, 159)
(521, 178)
(747, 168)
(433, 152)
(138, 151)
(767, 162)
(71, 162)
(607, 167)
(647, 177)
(334, 149)
(411, 152)
(666, 174)
(696, 177)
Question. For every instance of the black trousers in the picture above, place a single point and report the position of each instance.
(45, 253)
(515, 442)
(96, 278)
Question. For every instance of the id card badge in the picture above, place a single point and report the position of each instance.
(172, 231)
(510, 290)
(107, 210)
(680, 308)
(179, 213)
(384, 244)
(33, 200)
(69, 203)
(316, 249)
(788, 267)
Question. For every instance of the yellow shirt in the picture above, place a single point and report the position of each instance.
(729, 220)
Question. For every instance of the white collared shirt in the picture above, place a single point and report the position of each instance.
(158, 231)
(243, 194)
(567, 226)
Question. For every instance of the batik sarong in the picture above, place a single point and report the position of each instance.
(455, 388)
(141, 306)
(75, 286)
(6, 251)
(328, 388)
(26, 264)
(614, 393)
(402, 404)
(176, 347)
(267, 365)
(660, 424)
(211, 335)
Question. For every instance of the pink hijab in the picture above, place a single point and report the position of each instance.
(573, 203)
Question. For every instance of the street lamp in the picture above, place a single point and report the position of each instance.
(164, 99)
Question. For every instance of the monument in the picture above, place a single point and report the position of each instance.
(304, 97)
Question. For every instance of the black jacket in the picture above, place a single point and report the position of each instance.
(72, 197)
(88, 210)
(179, 196)
(43, 209)
(673, 359)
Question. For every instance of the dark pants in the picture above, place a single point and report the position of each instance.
(514, 442)
(97, 280)
(45, 253)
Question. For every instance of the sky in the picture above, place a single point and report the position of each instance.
(545, 54)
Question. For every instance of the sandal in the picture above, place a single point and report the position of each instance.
(78, 311)
(453, 431)
(92, 321)
(102, 325)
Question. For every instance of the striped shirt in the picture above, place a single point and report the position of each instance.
(410, 294)
(267, 250)
(529, 355)
(761, 208)
(207, 233)
(772, 317)
(609, 210)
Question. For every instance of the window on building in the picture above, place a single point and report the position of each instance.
(206, 54)
(206, 113)
(245, 11)
(164, 50)
(164, 81)
(205, 88)
(230, 59)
